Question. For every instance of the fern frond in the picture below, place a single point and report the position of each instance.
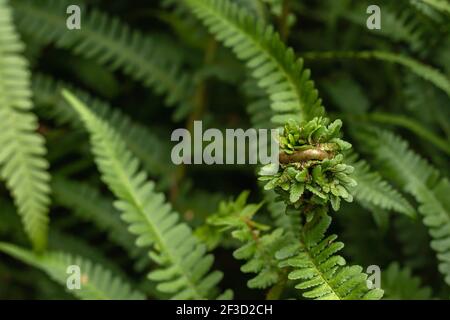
(97, 283)
(258, 249)
(183, 260)
(376, 191)
(258, 107)
(440, 5)
(421, 180)
(399, 284)
(401, 22)
(143, 143)
(419, 93)
(109, 42)
(275, 66)
(322, 273)
(422, 70)
(86, 203)
(22, 151)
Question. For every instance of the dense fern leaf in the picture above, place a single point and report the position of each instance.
(22, 150)
(422, 70)
(97, 283)
(322, 273)
(143, 143)
(441, 5)
(424, 183)
(184, 263)
(376, 191)
(87, 204)
(275, 66)
(109, 42)
(258, 249)
(399, 284)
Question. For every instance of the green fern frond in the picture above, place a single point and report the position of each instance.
(322, 273)
(422, 70)
(109, 42)
(440, 5)
(258, 249)
(258, 107)
(275, 66)
(421, 180)
(86, 203)
(419, 93)
(183, 260)
(143, 143)
(97, 283)
(399, 284)
(401, 22)
(376, 191)
(22, 151)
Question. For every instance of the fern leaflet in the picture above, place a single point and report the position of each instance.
(184, 263)
(275, 66)
(97, 283)
(399, 284)
(426, 72)
(322, 273)
(109, 42)
(422, 181)
(22, 152)
(374, 190)
(143, 143)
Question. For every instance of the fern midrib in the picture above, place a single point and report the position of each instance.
(108, 43)
(159, 238)
(255, 41)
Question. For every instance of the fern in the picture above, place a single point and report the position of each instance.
(22, 152)
(424, 71)
(422, 181)
(376, 191)
(184, 263)
(139, 139)
(258, 248)
(403, 23)
(322, 273)
(90, 206)
(440, 5)
(97, 283)
(275, 66)
(109, 42)
(419, 93)
(400, 284)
